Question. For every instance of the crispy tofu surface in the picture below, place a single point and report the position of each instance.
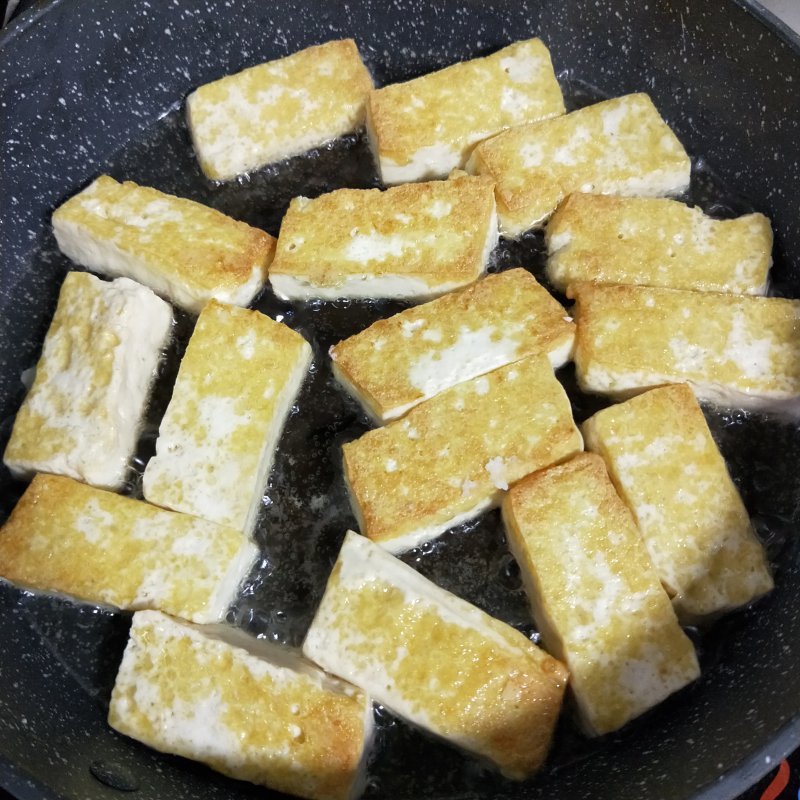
(83, 413)
(425, 127)
(398, 362)
(453, 456)
(278, 109)
(436, 659)
(595, 595)
(236, 383)
(620, 146)
(68, 538)
(184, 251)
(414, 241)
(734, 351)
(668, 469)
(249, 709)
(656, 242)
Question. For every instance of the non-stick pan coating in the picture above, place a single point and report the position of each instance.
(83, 89)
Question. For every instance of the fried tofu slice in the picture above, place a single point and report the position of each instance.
(410, 242)
(452, 457)
(83, 413)
(245, 707)
(398, 362)
(656, 242)
(620, 146)
(426, 127)
(184, 251)
(64, 537)
(595, 595)
(278, 109)
(734, 351)
(668, 469)
(236, 384)
(436, 660)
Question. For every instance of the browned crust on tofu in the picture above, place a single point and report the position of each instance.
(66, 537)
(277, 129)
(534, 511)
(720, 563)
(473, 199)
(520, 190)
(182, 669)
(735, 258)
(381, 379)
(178, 253)
(717, 343)
(419, 494)
(399, 134)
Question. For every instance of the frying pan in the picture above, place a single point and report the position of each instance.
(87, 87)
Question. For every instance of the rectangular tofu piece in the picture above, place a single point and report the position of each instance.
(436, 659)
(656, 242)
(398, 362)
(236, 384)
(65, 537)
(83, 413)
(595, 595)
(734, 351)
(620, 146)
(278, 109)
(452, 457)
(184, 251)
(245, 707)
(668, 469)
(426, 127)
(415, 241)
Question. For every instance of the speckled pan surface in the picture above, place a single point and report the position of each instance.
(87, 87)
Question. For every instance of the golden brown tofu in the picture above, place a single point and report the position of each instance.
(247, 708)
(184, 251)
(595, 595)
(84, 410)
(237, 381)
(733, 350)
(426, 127)
(453, 456)
(436, 660)
(656, 242)
(666, 466)
(398, 362)
(278, 109)
(620, 146)
(415, 241)
(68, 538)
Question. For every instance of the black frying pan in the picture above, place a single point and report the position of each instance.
(87, 87)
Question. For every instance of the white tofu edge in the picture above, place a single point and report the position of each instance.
(272, 436)
(626, 386)
(230, 583)
(427, 163)
(364, 286)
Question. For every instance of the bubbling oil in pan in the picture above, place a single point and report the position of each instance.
(306, 509)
